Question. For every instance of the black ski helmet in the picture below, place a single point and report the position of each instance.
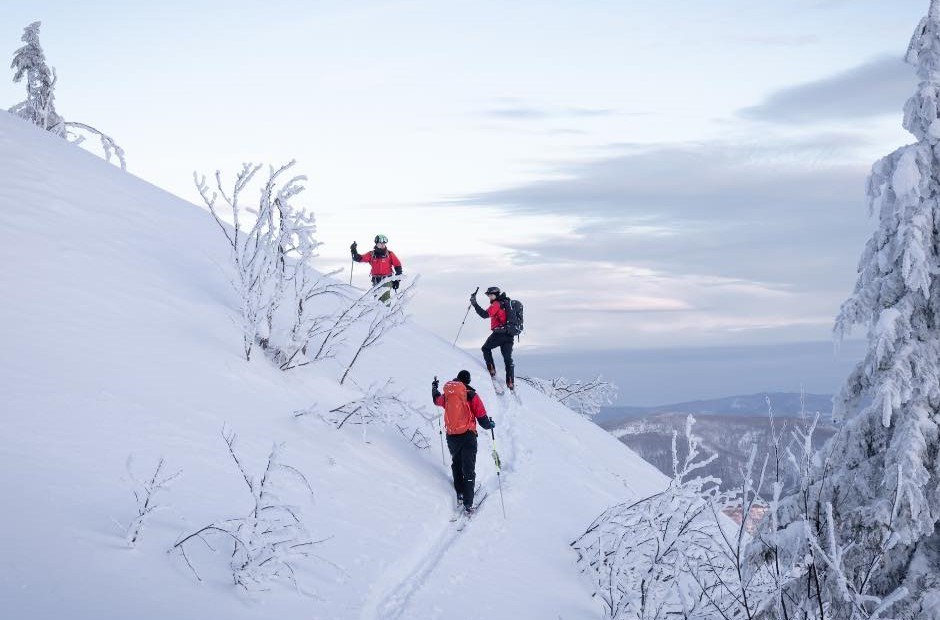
(381, 239)
(464, 377)
(493, 290)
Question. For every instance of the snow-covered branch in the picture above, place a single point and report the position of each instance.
(75, 132)
(638, 554)
(268, 543)
(307, 324)
(379, 403)
(583, 397)
(385, 317)
(145, 495)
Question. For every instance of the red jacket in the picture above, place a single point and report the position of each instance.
(382, 265)
(497, 315)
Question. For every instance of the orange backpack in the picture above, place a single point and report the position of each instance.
(457, 415)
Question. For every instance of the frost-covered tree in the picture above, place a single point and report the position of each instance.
(271, 242)
(872, 518)
(270, 542)
(583, 397)
(38, 108)
(29, 62)
(672, 554)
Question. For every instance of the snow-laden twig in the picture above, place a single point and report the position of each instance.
(384, 317)
(337, 326)
(146, 491)
(855, 589)
(583, 397)
(379, 403)
(72, 131)
(268, 543)
(637, 554)
(308, 325)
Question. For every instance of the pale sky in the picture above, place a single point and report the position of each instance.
(642, 174)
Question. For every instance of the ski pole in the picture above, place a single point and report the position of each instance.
(499, 478)
(352, 263)
(465, 318)
(440, 432)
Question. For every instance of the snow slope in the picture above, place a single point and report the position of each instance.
(118, 340)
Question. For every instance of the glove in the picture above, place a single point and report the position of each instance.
(395, 284)
(352, 248)
(487, 422)
(435, 383)
(473, 298)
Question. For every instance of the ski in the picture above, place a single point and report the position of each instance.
(498, 386)
(515, 396)
(458, 511)
(463, 519)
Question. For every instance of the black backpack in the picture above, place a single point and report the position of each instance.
(514, 320)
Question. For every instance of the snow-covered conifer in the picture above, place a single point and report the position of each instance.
(871, 524)
(38, 108)
(29, 62)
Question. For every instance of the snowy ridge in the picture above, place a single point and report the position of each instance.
(119, 340)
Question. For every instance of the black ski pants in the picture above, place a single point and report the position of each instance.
(463, 454)
(504, 341)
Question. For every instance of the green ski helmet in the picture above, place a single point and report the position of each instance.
(381, 239)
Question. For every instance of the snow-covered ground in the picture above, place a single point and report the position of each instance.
(118, 340)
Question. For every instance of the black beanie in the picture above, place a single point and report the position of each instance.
(464, 377)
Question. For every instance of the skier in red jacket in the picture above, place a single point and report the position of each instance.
(500, 336)
(462, 410)
(383, 262)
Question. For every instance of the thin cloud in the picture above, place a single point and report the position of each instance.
(637, 307)
(778, 40)
(705, 184)
(525, 112)
(588, 112)
(879, 86)
(516, 113)
(566, 131)
(744, 236)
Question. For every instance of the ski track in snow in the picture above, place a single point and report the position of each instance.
(508, 442)
(392, 599)
(398, 587)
